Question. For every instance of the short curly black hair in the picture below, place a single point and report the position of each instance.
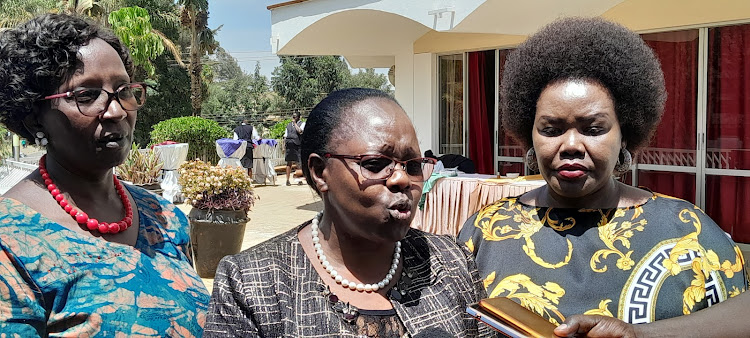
(586, 49)
(38, 56)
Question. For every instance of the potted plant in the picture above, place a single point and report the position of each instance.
(221, 198)
(142, 168)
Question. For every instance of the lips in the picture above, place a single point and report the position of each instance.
(111, 140)
(400, 210)
(572, 171)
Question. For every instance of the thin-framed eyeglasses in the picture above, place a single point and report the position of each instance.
(381, 167)
(92, 102)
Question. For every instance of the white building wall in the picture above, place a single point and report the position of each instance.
(425, 116)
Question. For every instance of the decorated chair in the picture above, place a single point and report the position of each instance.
(230, 152)
(264, 161)
(172, 155)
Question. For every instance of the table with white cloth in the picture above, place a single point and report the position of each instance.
(452, 200)
(264, 161)
(172, 155)
(230, 152)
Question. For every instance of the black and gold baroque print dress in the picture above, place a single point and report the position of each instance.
(661, 259)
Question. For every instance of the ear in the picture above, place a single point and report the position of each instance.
(317, 166)
(32, 124)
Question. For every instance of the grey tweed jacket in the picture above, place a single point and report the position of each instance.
(272, 290)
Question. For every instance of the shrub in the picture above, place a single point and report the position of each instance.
(277, 130)
(216, 188)
(200, 133)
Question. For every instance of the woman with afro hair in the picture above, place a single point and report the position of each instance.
(584, 95)
(82, 254)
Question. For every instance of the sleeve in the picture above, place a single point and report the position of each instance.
(234, 136)
(286, 130)
(21, 311)
(728, 256)
(302, 126)
(229, 313)
(469, 237)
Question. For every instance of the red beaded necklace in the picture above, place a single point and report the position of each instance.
(81, 217)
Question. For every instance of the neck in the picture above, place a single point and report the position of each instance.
(364, 259)
(606, 197)
(81, 187)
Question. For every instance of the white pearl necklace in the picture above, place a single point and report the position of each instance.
(343, 281)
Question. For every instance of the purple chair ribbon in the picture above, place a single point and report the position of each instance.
(269, 141)
(229, 146)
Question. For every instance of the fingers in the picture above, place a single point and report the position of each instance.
(594, 326)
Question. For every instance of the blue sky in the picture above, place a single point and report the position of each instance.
(246, 32)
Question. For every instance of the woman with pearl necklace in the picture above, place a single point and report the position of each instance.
(357, 268)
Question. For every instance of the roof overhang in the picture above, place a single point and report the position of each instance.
(370, 33)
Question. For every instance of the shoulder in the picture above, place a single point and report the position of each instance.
(681, 212)
(501, 209)
(267, 258)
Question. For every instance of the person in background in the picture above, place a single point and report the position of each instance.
(246, 132)
(292, 141)
(82, 254)
(584, 95)
(356, 269)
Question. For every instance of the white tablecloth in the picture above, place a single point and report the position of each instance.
(172, 155)
(453, 200)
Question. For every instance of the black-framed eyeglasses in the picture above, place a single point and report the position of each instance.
(91, 102)
(381, 167)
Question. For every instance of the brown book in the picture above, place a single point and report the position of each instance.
(510, 318)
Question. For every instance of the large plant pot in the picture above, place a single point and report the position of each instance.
(154, 188)
(214, 235)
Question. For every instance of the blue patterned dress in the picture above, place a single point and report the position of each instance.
(57, 282)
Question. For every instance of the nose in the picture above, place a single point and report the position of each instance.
(572, 145)
(114, 110)
(399, 180)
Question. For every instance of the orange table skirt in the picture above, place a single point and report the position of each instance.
(454, 199)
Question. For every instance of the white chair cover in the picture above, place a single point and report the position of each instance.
(233, 159)
(264, 162)
(173, 155)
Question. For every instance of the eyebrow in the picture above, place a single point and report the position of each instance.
(590, 117)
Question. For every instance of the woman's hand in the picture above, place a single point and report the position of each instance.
(595, 326)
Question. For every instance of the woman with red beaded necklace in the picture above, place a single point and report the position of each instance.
(82, 254)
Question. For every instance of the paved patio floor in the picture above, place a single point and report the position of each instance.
(279, 209)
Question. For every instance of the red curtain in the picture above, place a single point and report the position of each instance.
(729, 128)
(506, 145)
(675, 136)
(481, 110)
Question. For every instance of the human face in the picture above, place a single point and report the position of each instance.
(85, 143)
(577, 138)
(379, 211)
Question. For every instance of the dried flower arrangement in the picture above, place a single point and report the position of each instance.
(216, 188)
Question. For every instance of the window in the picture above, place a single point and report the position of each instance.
(451, 98)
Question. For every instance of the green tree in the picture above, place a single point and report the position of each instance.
(14, 12)
(225, 66)
(194, 18)
(304, 80)
(133, 26)
(368, 79)
(170, 84)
